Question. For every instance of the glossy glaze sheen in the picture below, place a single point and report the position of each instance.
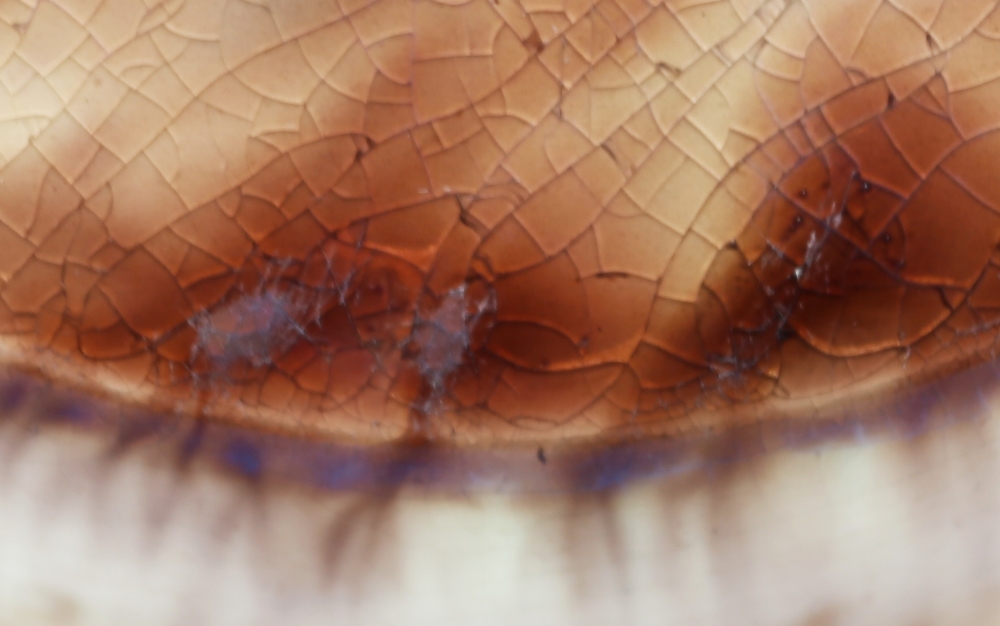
(608, 220)
(494, 222)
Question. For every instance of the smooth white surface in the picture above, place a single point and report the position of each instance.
(898, 532)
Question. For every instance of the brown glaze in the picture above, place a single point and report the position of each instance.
(800, 181)
(550, 225)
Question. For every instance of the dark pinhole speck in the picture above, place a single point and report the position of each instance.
(784, 334)
(541, 456)
(796, 223)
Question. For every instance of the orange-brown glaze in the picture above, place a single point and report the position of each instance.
(827, 266)
(499, 221)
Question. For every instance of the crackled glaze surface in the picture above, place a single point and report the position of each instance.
(492, 221)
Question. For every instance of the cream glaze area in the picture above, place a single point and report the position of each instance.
(151, 150)
(502, 221)
(899, 532)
